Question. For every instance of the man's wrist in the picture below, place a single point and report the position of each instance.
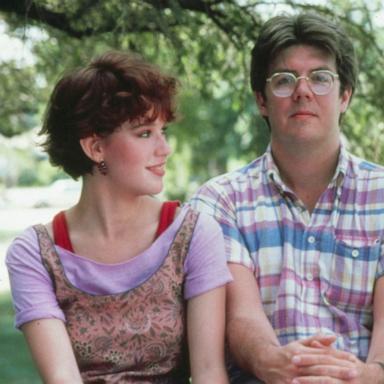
(379, 364)
(268, 361)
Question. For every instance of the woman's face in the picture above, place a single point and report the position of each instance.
(136, 156)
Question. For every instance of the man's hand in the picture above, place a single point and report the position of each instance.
(334, 367)
(279, 366)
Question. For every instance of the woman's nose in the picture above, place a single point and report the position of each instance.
(163, 147)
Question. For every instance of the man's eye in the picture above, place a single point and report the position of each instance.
(284, 80)
(320, 77)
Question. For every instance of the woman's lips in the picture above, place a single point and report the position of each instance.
(158, 169)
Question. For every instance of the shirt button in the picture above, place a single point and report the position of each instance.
(311, 239)
(309, 276)
(355, 253)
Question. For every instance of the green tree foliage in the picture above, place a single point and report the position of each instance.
(17, 112)
(206, 43)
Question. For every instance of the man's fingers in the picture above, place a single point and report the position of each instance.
(325, 340)
(324, 356)
(316, 380)
(333, 371)
(317, 344)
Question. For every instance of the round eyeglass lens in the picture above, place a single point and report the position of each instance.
(283, 84)
(320, 82)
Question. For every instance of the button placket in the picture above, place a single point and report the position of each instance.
(309, 276)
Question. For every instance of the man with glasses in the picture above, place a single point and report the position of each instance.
(304, 222)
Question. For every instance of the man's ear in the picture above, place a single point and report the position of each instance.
(345, 98)
(93, 148)
(261, 103)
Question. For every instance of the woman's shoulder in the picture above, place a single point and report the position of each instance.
(185, 215)
(28, 235)
(26, 243)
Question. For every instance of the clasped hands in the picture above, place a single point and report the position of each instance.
(315, 361)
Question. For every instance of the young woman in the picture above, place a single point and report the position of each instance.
(120, 288)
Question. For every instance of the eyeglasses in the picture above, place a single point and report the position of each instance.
(283, 84)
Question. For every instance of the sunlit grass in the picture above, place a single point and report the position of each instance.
(16, 366)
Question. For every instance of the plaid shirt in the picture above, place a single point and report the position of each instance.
(316, 272)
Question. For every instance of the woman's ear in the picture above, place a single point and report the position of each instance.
(92, 147)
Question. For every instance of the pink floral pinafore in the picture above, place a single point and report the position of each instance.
(138, 336)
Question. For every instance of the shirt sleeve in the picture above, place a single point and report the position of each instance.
(31, 286)
(214, 200)
(205, 265)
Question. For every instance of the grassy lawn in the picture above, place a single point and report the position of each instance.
(16, 366)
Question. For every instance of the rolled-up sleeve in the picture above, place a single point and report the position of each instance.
(205, 265)
(31, 286)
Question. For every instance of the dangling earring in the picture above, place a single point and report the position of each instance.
(102, 167)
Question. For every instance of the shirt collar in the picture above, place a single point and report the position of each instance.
(273, 174)
(342, 166)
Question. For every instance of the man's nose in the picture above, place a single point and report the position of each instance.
(302, 87)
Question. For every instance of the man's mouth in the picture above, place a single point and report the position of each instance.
(303, 113)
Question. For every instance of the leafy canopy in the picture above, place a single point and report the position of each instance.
(206, 43)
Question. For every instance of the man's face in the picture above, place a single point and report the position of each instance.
(303, 118)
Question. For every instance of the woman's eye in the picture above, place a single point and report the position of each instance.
(145, 134)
